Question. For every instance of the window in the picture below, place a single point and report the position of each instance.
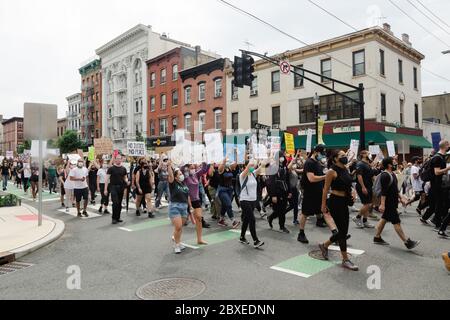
(218, 119)
(201, 122)
(110, 112)
(416, 115)
(234, 92)
(276, 115)
(254, 87)
(415, 78)
(187, 123)
(152, 103)
(162, 127)
(188, 95)
(325, 69)
(163, 76)
(201, 91)
(152, 80)
(235, 121)
(276, 81)
(359, 63)
(218, 88)
(137, 106)
(163, 102)
(152, 128)
(137, 129)
(96, 116)
(253, 118)
(298, 80)
(402, 111)
(400, 71)
(382, 71)
(174, 98)
(383, 107)
(175, 72)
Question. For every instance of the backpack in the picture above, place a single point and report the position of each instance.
(377, 188)
(426, 172)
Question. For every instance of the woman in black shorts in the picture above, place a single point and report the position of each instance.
(34, 179)
(145, 179)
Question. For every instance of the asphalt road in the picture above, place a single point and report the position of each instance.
(114, 263)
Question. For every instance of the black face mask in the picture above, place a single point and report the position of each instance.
(343, 160)
(394, 167)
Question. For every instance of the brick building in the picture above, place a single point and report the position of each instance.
(165, 105)
(12, 134)
(61, 126)
(91, 101)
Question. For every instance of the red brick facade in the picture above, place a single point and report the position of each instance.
(12, 134)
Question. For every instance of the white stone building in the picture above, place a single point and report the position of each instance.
(73, 115)
(125, 82)
(389, 68)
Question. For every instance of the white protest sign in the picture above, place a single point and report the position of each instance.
(374, 150)
(309, 140)
(353, 151)
(73, 157)
(214, 147)
(136, 149)
(199, 153)
(260, 152)
(391, 148)
(9, 154)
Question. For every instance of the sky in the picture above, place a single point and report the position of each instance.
(43, 43)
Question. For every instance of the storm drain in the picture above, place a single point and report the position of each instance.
(12, 267)
(171, 289)
(332, 255)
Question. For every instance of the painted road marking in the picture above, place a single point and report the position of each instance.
(149, 224)
(354, 252)
(303, 265)
(73, 212)
(46, 196)
(215, 238)
(303, 275)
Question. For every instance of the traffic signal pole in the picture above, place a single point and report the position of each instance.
(360, 88)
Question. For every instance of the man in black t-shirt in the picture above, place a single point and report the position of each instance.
(390, 197)
(6, 173)
(116, 182)
(213, 183)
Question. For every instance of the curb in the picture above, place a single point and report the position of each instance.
(55, 234)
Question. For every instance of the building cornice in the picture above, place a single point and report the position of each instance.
(206, 68)
(74, 96)
(92, 66)
(125, 37)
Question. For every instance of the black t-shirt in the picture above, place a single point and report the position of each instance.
(179, 192)
(214, 180)
(437, 161)
(116, 175)
(5, 170)
(312, 165)
(93, 175)
(367, 173)
(226, 179)
(389, 189)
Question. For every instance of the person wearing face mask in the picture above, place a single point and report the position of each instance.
(278, 190)
(179, 203)
(145, 181)
(93, 169)
(163, 186)
(101, 181)
(79, 176)
(364, 185)
(116, 182)
(339, 183)
(225, 193)
(312, 184)
(390, 198)
(192, 181)
(293, 176)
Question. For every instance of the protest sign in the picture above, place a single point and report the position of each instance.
(103, 146)
(214, 147)
(91, 154)
(391, 148)
(309, 140)
(136, 149)
(290, 145)
(9, 154)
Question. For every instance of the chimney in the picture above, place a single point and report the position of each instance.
(405, 38)
(198, 50)
(387, 28)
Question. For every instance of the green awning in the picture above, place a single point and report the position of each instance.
(342, 140)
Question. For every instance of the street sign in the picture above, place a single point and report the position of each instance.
(285, 67)
(260, 126)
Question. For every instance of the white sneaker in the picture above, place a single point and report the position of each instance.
(177, 249)
(181, 246)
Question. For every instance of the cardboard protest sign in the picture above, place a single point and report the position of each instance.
(103, 146)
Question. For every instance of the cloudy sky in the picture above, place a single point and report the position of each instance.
(43, 43)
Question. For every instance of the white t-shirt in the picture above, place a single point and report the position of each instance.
(249, 193)
(78, 174)
(102, 174)
(416, 183)
(26, 170)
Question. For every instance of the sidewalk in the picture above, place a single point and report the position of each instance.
(19, 231)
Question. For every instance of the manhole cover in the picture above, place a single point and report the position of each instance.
(171, 289)
(332, 255)
(12, 267)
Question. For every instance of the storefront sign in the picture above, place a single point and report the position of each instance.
(390, 129)
(161, 142)
(346, 129)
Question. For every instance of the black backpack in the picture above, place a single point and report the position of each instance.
(426, 172)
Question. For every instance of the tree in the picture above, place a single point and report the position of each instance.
(25, 146)
(139, 136)
(69, 142)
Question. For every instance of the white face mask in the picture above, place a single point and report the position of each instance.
(80, 165)
(105, 166)
(181, 178)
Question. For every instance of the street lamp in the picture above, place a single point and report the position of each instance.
(316, 102)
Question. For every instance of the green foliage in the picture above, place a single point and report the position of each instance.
(9, 200)
(69, 142)
(25, 146)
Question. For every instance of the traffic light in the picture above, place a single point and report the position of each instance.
(238, 67)
(248, 70)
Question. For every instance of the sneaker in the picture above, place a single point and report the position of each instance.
(205, 225)
(100, 210)
(79, 215)
(442, 235)
(177, 249)
(411, 244)
(368, 225)
(419, 212)
(85, 213)
(63, 206)
(295, 222)
(106, 211)
(324, 251)
(244, 241)
(302, 238)
(181, 246)
(285, 230)
(436, 229)
(263, 214)
(236, 224)
(151, 215)
(138, 213)
(349, 265)
(258, 244)
(222, 223)
(425, 222)
(119, 221)
(358, 222)
(115, 222)
(380, 241)
(270, 220)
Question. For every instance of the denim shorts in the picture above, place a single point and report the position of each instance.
(178, 209)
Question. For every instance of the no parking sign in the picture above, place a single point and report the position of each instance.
(285, 67)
